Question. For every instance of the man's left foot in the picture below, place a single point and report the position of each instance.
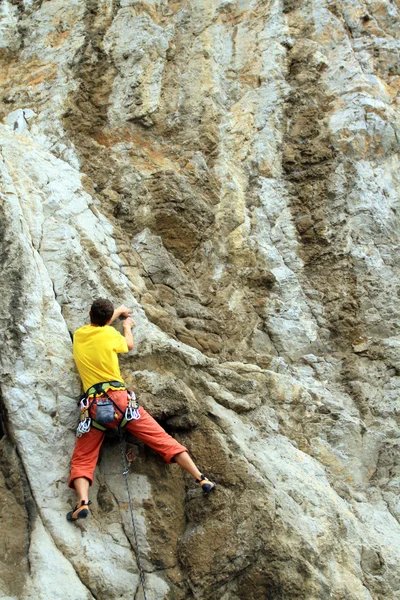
(80, 511)
(207, 485)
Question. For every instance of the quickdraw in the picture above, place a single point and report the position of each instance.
(85, 420)
(129, 458)
(84, 425)
(132, 410)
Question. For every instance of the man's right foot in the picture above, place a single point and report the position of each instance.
(207, 485)
(80, 511)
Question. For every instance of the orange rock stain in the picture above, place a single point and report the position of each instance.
(28, 74)
(150, 158)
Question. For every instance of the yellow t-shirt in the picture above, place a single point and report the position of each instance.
(96, 352)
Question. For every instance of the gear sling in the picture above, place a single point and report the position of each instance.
(106, 409)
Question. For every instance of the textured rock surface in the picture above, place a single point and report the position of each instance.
(230, 170)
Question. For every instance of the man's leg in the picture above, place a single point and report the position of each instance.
(151, 433)
(83, 465)
(185, 462)
(81, 485)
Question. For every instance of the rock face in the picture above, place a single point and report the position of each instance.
(230, 170)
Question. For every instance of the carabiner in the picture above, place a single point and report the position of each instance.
(84, 426)
(132, 413)
(129, 456)
(131, 395)
(84, 403)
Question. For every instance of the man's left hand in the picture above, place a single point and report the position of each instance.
(123, 311)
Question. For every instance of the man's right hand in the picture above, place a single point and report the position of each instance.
(127, 326)
(128, 323)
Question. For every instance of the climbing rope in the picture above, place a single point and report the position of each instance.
(127, 463)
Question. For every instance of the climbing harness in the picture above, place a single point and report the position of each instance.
(127, 458)
(106, 410)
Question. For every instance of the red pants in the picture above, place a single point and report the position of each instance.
(87, 448)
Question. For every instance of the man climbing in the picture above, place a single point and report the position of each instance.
(107, 403)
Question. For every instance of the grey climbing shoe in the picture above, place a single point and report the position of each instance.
(80, 511)
(207, 485)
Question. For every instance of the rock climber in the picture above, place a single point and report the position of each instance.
(96, 347)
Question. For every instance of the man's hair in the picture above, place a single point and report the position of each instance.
(101, 311)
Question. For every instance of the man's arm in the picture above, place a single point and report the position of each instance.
(127, 327)
(121, 311)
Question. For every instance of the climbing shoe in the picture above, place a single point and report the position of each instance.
(207, 485)
(80, 511)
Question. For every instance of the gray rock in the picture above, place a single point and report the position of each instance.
(231, 173)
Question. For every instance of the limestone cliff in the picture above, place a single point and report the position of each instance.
(230, 170)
